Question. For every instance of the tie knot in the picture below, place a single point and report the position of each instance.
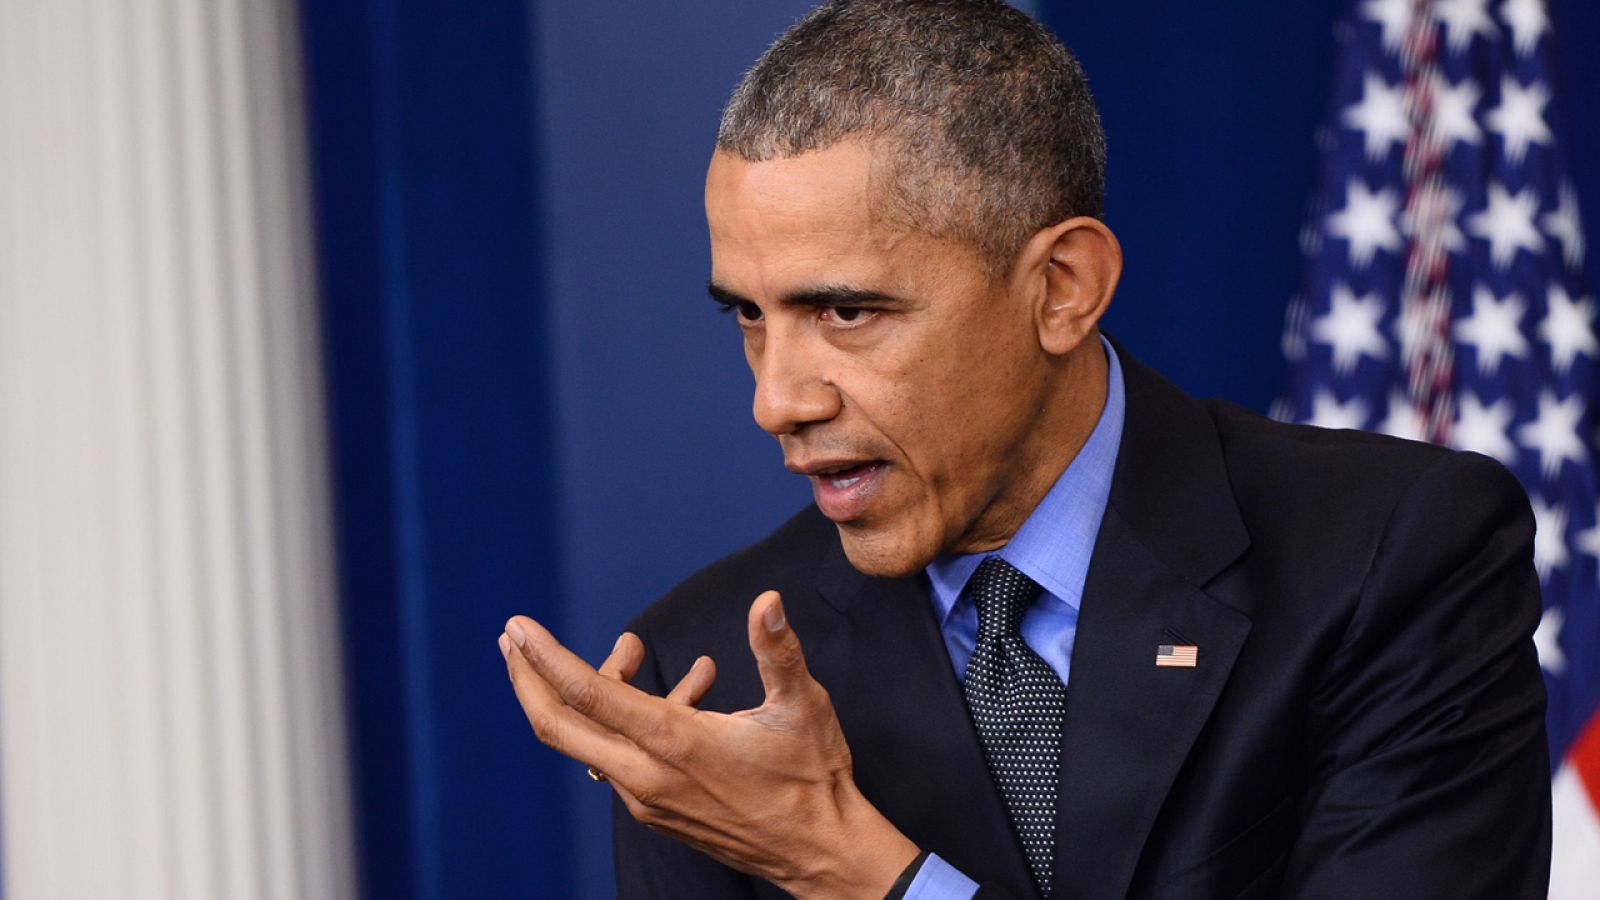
(1001, 594)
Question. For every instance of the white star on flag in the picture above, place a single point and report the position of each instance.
(1367, 221)
(1328, 412)
(1519, 119)
(1562, 224)
(1568, 328)
(1494, 329)
(1483, 428)
(1554, 433)
(1547, 640)
(1380, 116)
(1462, 20)
(1453, 106)
(1527, 21)
(1549, 537)
(1507, 224)
(1351, 328)
(1402, 420)
(1392, 16)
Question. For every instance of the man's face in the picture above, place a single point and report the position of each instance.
(894, 370)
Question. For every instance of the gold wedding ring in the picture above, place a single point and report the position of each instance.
(596, 774)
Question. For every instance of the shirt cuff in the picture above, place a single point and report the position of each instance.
(938, 880)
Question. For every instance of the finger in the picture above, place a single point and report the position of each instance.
(562, 728)
(779, 657)
(626, 656)
(692, 688)
(618, 707)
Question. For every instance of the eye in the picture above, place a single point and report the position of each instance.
(745, 311)
(847, 316)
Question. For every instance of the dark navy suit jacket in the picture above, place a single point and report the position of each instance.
(1365, 719)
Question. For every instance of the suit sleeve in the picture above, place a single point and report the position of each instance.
(650, 866)
(1430, 771)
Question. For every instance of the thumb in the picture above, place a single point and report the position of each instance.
(777, 650)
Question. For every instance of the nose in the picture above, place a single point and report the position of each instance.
(791, 391)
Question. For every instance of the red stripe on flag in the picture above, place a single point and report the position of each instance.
(1584, 756)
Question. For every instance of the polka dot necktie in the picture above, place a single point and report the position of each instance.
(1017, 703)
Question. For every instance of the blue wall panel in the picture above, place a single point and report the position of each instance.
(1209, 119)
(662, 468)
(424, 159)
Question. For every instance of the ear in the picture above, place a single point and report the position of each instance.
(1071, 270)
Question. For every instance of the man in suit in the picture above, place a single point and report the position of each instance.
(1052, 628)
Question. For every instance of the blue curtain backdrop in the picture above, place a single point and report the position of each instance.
(536, 410)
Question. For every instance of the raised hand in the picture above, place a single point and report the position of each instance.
(768, 791)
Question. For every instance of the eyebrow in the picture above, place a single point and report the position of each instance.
(821, 295)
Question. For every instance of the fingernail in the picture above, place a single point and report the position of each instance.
(618, 645)
(505, 647)
(517, 635)
(773, 617)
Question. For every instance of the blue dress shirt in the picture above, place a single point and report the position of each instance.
(1053, 548)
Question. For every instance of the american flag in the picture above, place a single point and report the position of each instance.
(1180, 656)
(1443, 300)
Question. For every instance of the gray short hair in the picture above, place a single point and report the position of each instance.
(995, 132)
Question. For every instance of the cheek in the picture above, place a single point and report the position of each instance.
(960, 420)
(948, 397)
(939, 419)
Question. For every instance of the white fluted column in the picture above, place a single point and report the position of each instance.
(171, 723)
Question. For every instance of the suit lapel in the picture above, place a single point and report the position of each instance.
(1170, 527)
(916, 756)
(1130, 723)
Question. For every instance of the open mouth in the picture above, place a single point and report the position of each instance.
(843, 491)
(843, 477)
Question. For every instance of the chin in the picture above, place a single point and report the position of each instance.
(884, 555)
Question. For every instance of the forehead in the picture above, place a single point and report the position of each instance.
(834, 180)
(815, 215)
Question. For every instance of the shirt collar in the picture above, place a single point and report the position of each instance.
(1054, 544)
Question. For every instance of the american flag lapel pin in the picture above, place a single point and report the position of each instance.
(1178, 656)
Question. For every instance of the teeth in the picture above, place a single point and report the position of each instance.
(842, 483)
